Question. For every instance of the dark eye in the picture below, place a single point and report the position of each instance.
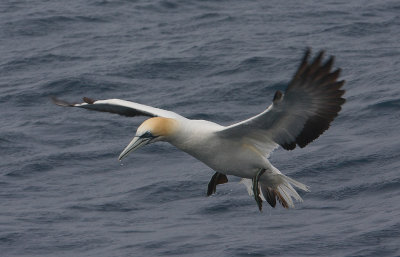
(147, 135)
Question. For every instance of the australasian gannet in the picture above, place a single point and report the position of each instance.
(311, 101)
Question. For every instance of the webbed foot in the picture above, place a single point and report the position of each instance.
(256, 188)
(217, 178)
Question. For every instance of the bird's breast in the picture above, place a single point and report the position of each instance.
(231, 157)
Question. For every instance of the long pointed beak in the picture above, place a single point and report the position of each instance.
(136, 143)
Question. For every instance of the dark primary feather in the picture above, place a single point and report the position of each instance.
(301, 114)
(88, 100)
(320, 82)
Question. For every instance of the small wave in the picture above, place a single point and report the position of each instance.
(73, 86)
(38, 60)
(10, 238)
(362, 29)
(389, 104)
(45, 25)
(29, 169)
(355, 190)
(166, 68)
(170, 191)
(115, 206)
(159, 7)
(376, 236)
(251, 64)
(206, 16)
(228, 205)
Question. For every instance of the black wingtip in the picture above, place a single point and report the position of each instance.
(323, 83)
(306, 55)
(289, 146)
(278, 96)
(303, 64)
(307, 52)
(88, 100)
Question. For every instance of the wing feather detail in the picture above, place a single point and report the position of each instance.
(297, 117)
(121, 107)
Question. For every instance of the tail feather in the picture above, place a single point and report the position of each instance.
(296, 183)
(283, 191)
(270, 195)
(282, 200)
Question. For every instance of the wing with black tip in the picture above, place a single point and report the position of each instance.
(121, 107)
(301, 114)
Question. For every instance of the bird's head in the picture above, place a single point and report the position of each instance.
(150, 131)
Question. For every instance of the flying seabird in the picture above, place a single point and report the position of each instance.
(296, 117)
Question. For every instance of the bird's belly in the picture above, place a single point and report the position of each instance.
(231, 157)
(232, 160)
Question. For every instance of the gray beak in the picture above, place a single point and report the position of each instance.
(136, 143)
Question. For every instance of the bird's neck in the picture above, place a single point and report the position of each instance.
(193, 135)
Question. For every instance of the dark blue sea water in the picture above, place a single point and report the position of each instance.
(63, 192)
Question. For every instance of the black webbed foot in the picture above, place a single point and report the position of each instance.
(217, 178)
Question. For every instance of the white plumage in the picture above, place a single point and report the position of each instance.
(295, 118)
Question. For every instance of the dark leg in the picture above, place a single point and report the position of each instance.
(256, 189)
(217, 178)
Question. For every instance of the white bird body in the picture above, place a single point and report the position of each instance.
(200, 139)
(241, 158)
(310, 103)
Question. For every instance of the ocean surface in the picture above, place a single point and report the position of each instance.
(63, 191)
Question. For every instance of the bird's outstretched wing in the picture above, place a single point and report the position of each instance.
(121, 107)
(310, 103)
